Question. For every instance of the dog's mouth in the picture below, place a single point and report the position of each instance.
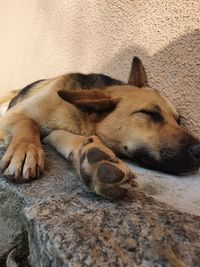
(169, 161)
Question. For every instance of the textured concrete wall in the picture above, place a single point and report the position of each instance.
(41, 39)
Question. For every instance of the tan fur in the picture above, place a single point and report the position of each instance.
(116, 118)
(9, 96)
(137, 128)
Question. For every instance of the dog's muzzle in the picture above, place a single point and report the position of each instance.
(195, 151)
(171, 160)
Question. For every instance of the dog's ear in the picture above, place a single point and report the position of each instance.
(137, 75)
(89, 100)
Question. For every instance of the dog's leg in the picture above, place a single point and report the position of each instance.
(24, 158)
(97, 165)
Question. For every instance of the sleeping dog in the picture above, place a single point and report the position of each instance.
(93, 119)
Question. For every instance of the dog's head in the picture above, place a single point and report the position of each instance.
(144, 125)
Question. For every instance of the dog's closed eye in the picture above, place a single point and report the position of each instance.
(154, 115)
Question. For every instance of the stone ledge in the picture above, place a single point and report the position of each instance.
(68, 226)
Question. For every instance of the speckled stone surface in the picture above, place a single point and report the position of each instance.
(69, 226)
(48, 38)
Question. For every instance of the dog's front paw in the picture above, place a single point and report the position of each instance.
(23, 161)
(103, 172)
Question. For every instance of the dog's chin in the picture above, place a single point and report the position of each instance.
(182, 165)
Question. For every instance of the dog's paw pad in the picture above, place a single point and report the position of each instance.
(95, 154)
(102, 171)
(113, 192)
(108, 173)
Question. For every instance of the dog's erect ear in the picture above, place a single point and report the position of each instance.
(89, 100)
(137, 75)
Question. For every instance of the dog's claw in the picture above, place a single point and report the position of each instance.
(4, 165)
(38, 172)
(27, 174)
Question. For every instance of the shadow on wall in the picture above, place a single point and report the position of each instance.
(174, 70)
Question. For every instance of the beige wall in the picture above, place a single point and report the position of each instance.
(44, 38)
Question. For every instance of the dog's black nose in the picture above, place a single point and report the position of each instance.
(195, 150)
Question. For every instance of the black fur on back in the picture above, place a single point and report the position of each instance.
(89, 81)
(23, 92)
(77, 81)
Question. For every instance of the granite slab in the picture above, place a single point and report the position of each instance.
(66, 225)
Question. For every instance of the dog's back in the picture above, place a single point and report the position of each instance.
(68, 82)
